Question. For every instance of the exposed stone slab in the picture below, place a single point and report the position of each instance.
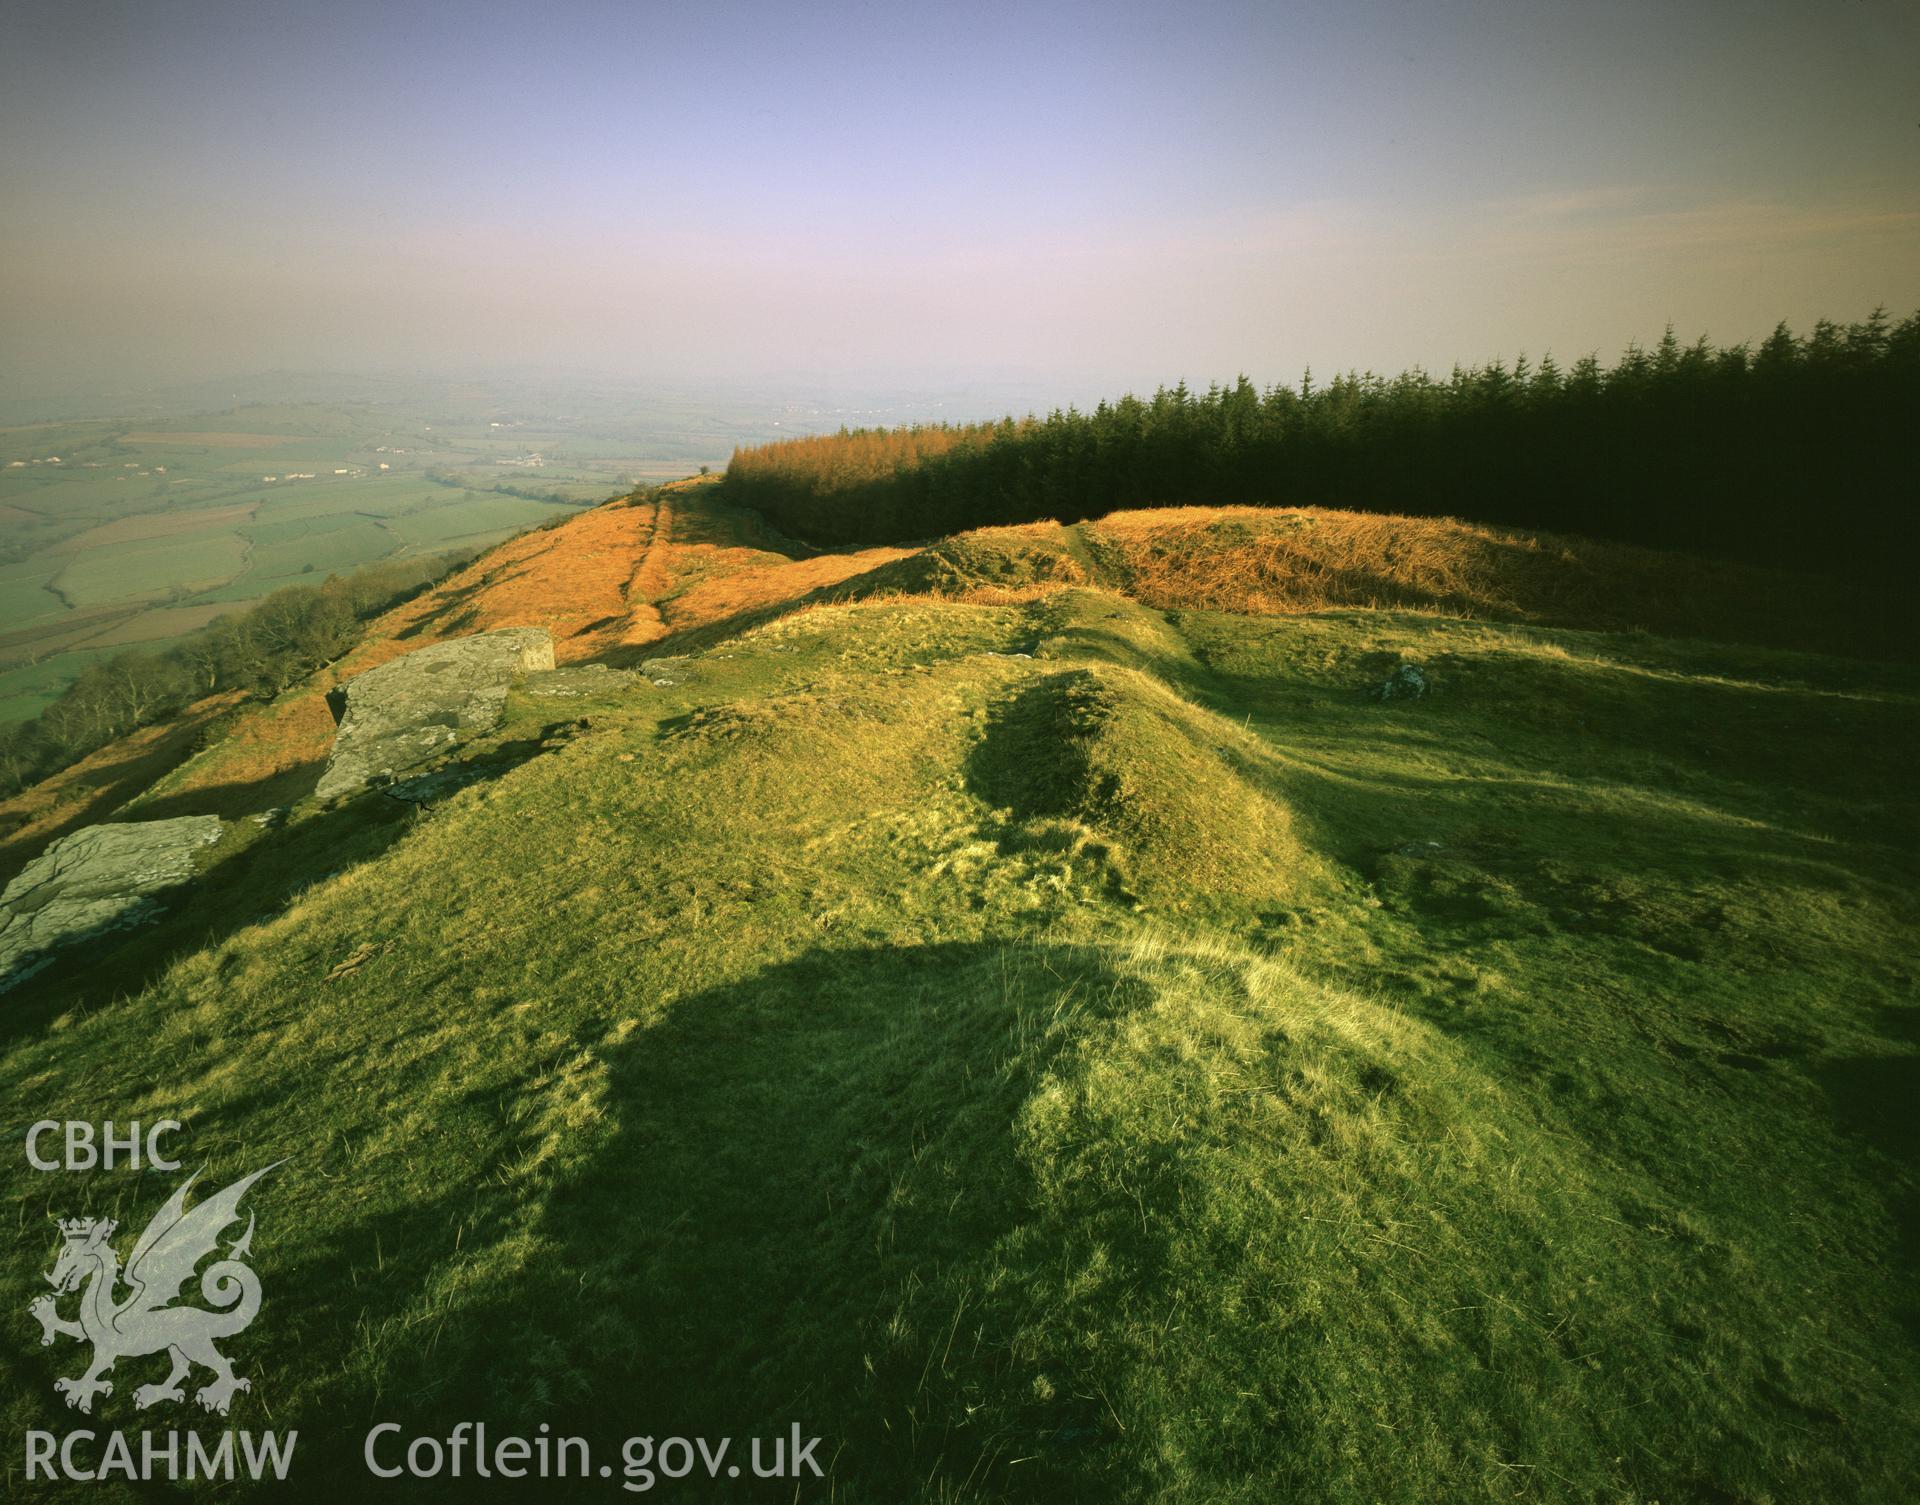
(454, 774)
(579, 680)
(666, 672)
(412, 710)
(93, 880)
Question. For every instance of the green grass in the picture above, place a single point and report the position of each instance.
(468, 515)
(334, 545)
(1148, 1070)
(153, 569)
(24, 597)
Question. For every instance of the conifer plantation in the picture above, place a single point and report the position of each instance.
(1796, 452)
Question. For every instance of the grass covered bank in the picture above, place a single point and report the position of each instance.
(1074, 1049)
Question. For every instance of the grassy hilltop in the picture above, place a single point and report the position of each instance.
(1023, 1009)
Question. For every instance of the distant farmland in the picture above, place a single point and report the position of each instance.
(217, 441)
(136, 530)
(112, 538)
(147, 525)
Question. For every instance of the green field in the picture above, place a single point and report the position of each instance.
(1068, 1051)
(156, 570)
(31, 687)
(24, 597)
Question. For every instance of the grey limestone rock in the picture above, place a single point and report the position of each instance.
(93, 880)
(1407, 682)
(667, 672)
(410, 711)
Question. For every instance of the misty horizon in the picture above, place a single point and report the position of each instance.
(1078, 200)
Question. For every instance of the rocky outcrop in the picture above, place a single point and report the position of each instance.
(410, 711)
(666, 672)
(97, 879)
(579, 681)
(454, 775)
(1407, 682)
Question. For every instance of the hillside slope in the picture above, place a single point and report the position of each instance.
(674, 568)
(1025, 1011)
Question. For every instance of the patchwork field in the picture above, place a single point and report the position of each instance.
(114, 535)
(168, 524)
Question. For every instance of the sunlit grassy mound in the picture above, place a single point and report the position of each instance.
(1168, 786)
(675, 569)
(1264, 560)
(986, 564)
(1272, 561)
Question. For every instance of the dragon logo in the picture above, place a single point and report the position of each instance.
(147, 1321)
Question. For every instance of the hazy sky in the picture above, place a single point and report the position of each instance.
(1118, 193)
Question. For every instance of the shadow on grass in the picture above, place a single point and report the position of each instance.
(1873, 1098)
(252, 885)
(106, 782)
(800, 1199)
(241, 797)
